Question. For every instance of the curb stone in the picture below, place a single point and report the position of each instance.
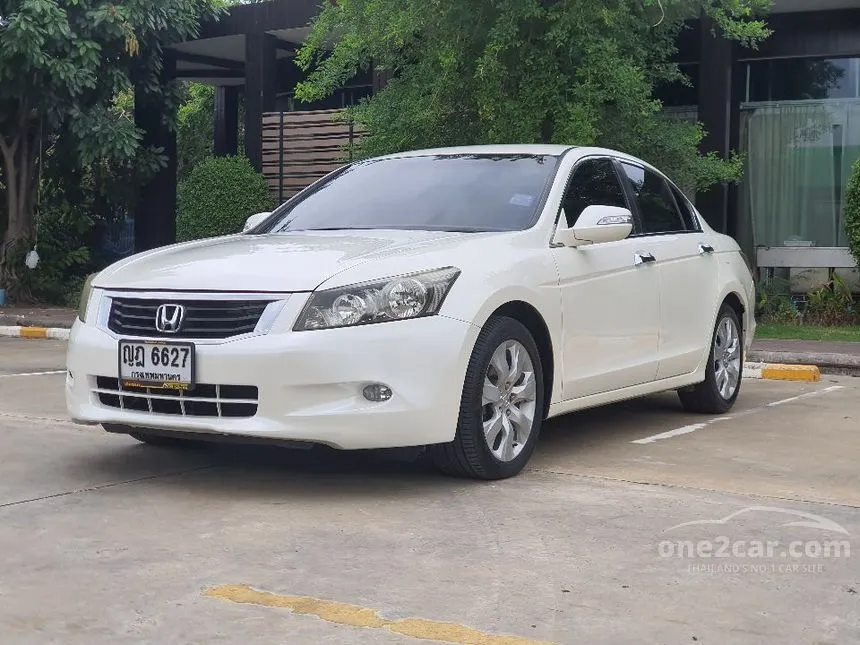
(35, 333)
(782, 372)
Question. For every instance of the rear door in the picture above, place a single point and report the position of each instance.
(687, 269)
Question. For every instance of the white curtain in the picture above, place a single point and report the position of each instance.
(790, 175)
(799, 158)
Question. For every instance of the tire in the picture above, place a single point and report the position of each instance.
(709, 397)
(470, 454)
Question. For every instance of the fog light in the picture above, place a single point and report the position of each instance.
(377, 392)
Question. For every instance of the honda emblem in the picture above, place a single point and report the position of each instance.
(168, 318)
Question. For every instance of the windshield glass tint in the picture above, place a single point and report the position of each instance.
(461, 193)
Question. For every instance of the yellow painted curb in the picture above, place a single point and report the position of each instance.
(34, 332)
(807, 373)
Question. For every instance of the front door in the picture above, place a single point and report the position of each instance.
(610, 298)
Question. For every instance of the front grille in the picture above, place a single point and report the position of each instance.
(204, 319)
(232, 401)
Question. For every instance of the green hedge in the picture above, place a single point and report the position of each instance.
(218, 196)
(852, 212)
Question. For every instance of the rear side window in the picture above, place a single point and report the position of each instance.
(686, 210)
(656, 203)
(594, 183)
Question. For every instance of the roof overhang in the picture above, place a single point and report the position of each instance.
(797, 6)
(217, 55)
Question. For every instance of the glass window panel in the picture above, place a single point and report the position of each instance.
(678, 94)
(594, 183)
(802, 79)
(657, 207)
(799, 157)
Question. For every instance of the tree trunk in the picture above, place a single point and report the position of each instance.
(20, 174)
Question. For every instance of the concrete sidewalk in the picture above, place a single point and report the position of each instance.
(49, 317)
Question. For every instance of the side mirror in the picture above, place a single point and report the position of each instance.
(597, 224)
(252, 221)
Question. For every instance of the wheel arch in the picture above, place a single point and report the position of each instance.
(530, 317)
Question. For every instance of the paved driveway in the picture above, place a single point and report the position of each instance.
(108, 541)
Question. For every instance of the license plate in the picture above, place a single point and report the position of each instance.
(168, 366)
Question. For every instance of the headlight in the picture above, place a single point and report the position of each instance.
(398, 298)
(86, 292)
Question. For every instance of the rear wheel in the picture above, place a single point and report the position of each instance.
(501, 410)
(723, 375)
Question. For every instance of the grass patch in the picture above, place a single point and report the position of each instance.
(808, 332)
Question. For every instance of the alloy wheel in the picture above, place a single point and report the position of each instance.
(508, 400)
(727, 358)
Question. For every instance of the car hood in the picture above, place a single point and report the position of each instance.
(285, 262)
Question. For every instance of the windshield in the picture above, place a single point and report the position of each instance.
(446, 192)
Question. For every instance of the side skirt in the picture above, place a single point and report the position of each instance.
(632, 392)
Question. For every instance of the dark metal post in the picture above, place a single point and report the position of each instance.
(226, 120)
(260, 88)
(715, 113)
(155, 211)
(281, 161)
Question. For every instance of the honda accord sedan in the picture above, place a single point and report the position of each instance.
(451, 300)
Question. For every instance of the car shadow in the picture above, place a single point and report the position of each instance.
(267, 473)
(271, 472)
(579, 433)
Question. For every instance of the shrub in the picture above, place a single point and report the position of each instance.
(852, 212)
(64, 233)
(218, 196)
(774, 304)
(832, 304)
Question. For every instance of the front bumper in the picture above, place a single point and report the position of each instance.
(309, 383)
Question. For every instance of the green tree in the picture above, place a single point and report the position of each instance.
(62, 64)
(195, 129)
(521, 71)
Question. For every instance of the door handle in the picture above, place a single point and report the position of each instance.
(643, 258)
(705, 249)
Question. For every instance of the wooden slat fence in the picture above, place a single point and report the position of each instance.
(301, 147)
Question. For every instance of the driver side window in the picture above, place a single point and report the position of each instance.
(594, 183)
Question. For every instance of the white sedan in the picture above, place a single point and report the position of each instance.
(451, 299)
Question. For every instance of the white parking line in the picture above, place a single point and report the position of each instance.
(678, 432)
(33, 374)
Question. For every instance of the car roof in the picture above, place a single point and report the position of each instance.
(491, 149)
(550, 150)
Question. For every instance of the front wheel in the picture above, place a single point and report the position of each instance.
(501, 410)
(724, 373)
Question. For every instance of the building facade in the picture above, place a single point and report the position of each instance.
(791, 106)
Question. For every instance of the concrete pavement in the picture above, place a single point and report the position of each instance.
(108, 541)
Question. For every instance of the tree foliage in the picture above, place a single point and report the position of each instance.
(852, 212)
(62, 65)
(195, 130)
(521, 71)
